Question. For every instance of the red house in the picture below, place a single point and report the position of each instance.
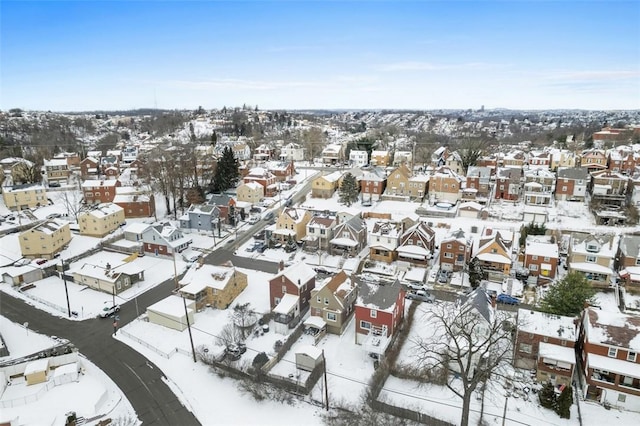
(135, 203)
(99, 191)
(264, 178)
(373, 183)
(379, 311)
(290, 293)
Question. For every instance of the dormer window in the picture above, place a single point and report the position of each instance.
(592, 248)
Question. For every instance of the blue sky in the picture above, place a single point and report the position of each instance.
(86, 55)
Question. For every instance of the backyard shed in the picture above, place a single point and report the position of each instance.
(308, 357)
(36, 371)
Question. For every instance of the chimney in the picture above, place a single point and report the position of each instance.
(489, 231)
(493, 301)
(108, 266)
(281, 265)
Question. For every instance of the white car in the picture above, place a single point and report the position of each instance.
(109, 309)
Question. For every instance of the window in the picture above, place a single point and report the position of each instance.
(533, 267)
(622, 397)
(501, 187)
(613, 352)
(331, 316)
(638, 261)
(318, 299)
(284, 289)
(365, 324)
(526, 348)
(448, 255)
(534, 257)
(373, 313)
(591, 259)
(448, 246)
(631, 356)
(276, 301)
(564, 189)
(547, 259)
(326, 300)
(627, 381)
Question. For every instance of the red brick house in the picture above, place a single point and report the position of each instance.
(136, 203)
(627, 262)
(455, 251)
(545, 343)
(99, 191)
(373, 183)
(609, 343)
(508, 183)
(541, 257)
(282, 170)
(572, 183)
(290, 294)
(264, 178)
(89, 168)
(379, 311)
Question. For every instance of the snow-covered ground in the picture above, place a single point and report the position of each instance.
(92, 394)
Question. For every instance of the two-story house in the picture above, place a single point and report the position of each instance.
(455, 251)
(383, 239)
(398, 182)
(290, 294)
(358, 158)
(572, 183)
(593, 160)
(545, 343)
(373, 183)
(89, 168)
(479, 180)
(334, 300)
(164, 239)
(214, 286)
(539, 160)
(292, 152)
(592, 255)
(508, 183)
(380, 158)
(541, 257)
(251, 192)
(562, 158)
(99, 191)
(332, 154)
(379, 311)
(539, 185)
(627, 262)
(609, 343)
(445, 185)
(609, 188)
(494, 253)
(101, 220)
(201, 218)
(264, 178)
(282, 170)
(24, 197)
(264, 152)
(326, 185)
(349, 237)
(137, 201)
(56, 170)
(454, 163)
(402, 157)
(45, 240)
(319, 233)
(292, 223)
(416, 244)
(514, 159)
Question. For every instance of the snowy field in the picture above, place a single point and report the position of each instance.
(92, 394)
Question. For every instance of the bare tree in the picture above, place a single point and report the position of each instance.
(228, 335)
(314, 141)
(244, 318)
(72, 202)
(27, 172)
(470, 151)
(469, 341)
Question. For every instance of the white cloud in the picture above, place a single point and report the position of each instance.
(431, 66)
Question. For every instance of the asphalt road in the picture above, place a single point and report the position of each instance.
(139, 379)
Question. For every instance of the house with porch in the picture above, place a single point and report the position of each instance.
(379, 311)
(541, 257)
(545, 343)
(398, 182)
(282, 170)
(380, 158)
(494, 253)
(479, 179)
(333, 301)
(89, 168)
(332, 154)
(539, 185)
(136, 201)
(212, 286)
(292, 223)
(373, 183)
(609, 188)
(265, 178)
(349, 237)
(251, 192)
(290, 294)
(383, 239)
(319, 232)
(455, 251)
(593, 160)
(358, 158)
(108, 279)
(592, 255)
(609, 344)
(416, 244)
(292, 152)
(56, 170)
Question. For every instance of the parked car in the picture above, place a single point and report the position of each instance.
(253, 220)
(507, 299)
(54, 185)
(443, 278)
(414, 286)
(261, 248)
(269, 216)
(109, 310)
(22, 262)
(421, 296)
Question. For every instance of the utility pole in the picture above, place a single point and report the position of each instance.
(115, 316)
(186, 314)
(175, 271)
(326, 389)
(66, 290)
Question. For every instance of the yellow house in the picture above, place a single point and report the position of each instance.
(214, 286)
(24, 197)
(251, 192)
(398, 181)
(46, 239)
(102, 220)
(292, 222)
(325, 186)
(380, 158)
(494, 253)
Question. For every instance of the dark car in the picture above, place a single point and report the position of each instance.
(507, 299)
(54, 185)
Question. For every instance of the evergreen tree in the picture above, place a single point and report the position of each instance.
(475, 272)
(348, 193)
(563, 404)
(547, 396)
(568, 296)
(214, 138)
(531, 229)
(227, 172)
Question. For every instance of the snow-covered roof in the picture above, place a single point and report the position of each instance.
(589, 267)
(494, 257)
(298, 272)
(311, 351)
(172, 306)
(546, 324)
(411, 249)
(286, 305)
(557, 353)
(344, 242)
(612, 365)
(200, 277)
(535, 248)
(612, 328)
(104, 210)
(137, 227)
(37, 366)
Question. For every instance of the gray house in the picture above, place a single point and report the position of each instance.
(201, 217)
(349, 238)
